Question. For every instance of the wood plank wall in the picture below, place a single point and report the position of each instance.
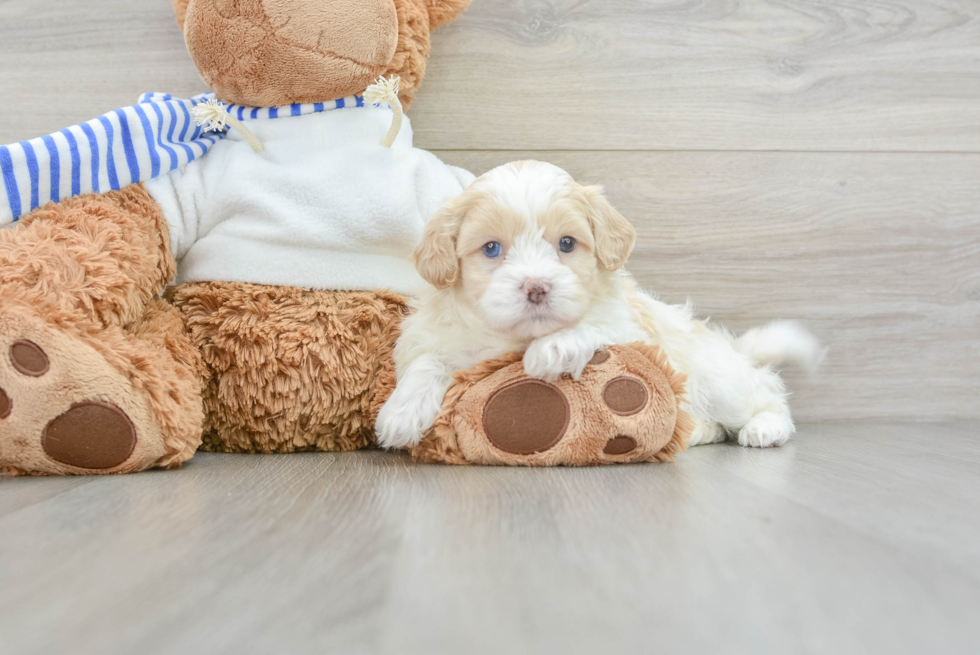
(780, 158)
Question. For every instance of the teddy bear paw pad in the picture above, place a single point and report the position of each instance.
(527, 416)
(90, 435)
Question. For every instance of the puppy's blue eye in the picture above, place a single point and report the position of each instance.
(566, 244)
(491, 249)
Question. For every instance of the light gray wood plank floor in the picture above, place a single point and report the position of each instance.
(854, 538)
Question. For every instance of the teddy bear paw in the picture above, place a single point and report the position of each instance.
(63, 408)
(624, 408)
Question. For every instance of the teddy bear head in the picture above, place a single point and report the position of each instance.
(270, 53)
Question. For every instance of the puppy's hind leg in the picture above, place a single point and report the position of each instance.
(780, 342)
(729, 389)
(706, 431)
(770, 423)
(768, 428)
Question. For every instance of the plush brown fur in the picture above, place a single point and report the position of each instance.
(289, 369)
(99, 257)
(661, 429)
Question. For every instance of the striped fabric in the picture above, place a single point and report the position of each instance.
(122, 147)
(245, 113)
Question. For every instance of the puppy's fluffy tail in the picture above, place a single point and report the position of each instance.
(782, 343)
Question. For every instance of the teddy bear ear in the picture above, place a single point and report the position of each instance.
(180, 10)
(440, 11)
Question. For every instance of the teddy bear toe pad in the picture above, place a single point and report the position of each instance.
(620, 445)
(625, 396)
(599, 357)
(28, 358)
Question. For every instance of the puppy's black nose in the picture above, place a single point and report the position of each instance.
(536, 292)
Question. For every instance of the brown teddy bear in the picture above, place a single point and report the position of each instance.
(258, 352)
(293, 230)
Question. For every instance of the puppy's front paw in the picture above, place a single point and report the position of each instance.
(548, 358)
(766, 429)
(402, 421)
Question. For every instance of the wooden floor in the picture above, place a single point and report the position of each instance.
(808, 159)
(854, 538)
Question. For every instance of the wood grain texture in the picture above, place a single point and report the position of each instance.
(574, 74)
(850, 539)
(879, 253)
(67, 61)
(727, 75)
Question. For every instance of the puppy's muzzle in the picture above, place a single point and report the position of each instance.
(536, 290)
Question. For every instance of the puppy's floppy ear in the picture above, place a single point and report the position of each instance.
(614, 236)
(435, 257)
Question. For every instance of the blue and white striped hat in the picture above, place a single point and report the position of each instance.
(122, 147)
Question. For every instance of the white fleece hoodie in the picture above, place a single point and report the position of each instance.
(325, 206)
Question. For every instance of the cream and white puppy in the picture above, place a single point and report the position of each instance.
(527, 260)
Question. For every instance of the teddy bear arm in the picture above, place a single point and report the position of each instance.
(101, 255)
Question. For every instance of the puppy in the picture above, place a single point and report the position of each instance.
(526, 260)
